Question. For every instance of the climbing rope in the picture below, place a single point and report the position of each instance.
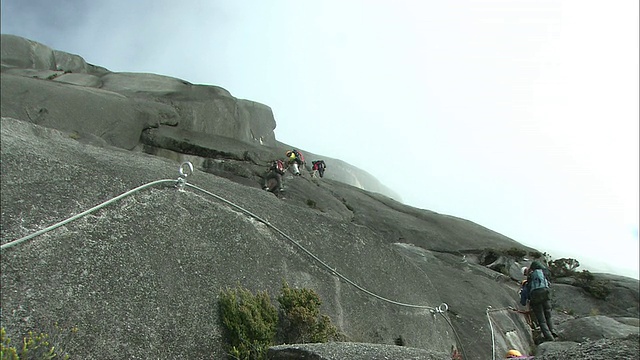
(493, 339)
(490, 310)
(179, 184)
(440, 309)
(185, 170)
(84, 213)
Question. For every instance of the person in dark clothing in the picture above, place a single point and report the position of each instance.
(524, 296)
(276, 171)
(536, 290)
(318, 166)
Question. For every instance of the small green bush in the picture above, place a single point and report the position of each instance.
(535, 255)
(249, 321)
(516, 253)
(597, 288)
(34, 346)
(563, 267)
(7, 352)
(301, 321)
(311, 203)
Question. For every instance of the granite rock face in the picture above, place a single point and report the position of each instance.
(148, 99)
(140, 276)
(60, 90)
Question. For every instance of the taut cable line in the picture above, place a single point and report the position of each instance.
(185, 170)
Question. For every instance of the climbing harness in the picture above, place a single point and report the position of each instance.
(181, 183)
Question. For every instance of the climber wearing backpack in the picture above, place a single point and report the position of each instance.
(296, 160)
(318, 167)
(276, 171)
(536, 290)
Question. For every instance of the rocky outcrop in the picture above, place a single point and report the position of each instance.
(615, 348)
(353, 351)
(140, 276)
(131, 101)
(60, 90)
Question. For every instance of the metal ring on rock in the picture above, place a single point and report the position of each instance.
(443, 305)
(182, 170)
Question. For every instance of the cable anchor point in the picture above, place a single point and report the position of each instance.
(441, 309)
(186, 169)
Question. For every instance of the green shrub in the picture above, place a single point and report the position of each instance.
(597, 288)
(249, 322)
(34, 346)
(300, 318)
(563, 267)
(7, 352)
(311, 203)
(535, 255)
(516, 253)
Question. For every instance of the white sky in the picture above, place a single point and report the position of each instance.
(521, 116)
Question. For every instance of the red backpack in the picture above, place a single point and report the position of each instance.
(279, 166)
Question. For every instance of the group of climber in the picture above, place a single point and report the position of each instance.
(294, 160)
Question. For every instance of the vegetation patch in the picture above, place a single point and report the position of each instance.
(566, 267)
(312, 204)
(518, 254)
(597, 288)
(249, 321)
(300, 318)
(563, 267)
(36, 346)
(252, 323)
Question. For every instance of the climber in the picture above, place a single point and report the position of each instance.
(524, 296)
(524, 292)
(515, 354)
(296, 159)
(275, 171)
(318, 167)
(536, 290)
(455, 354)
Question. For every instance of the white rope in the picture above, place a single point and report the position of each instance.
(84, 213)
(442, 308)
(493, 340)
